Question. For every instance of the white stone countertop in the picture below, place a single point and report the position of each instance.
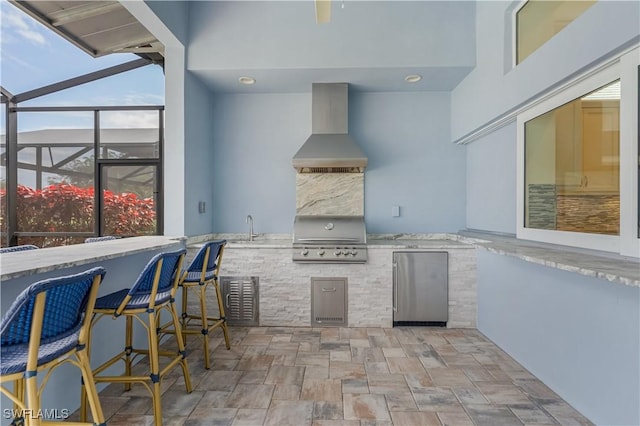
(23, 263)
(607, 266)
(385, 241)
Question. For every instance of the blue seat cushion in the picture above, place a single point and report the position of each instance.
(194, 277)
(113, 300)
(14, 357)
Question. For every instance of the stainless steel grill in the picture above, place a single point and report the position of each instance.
(329, 239)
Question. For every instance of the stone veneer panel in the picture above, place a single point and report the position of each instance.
(330, 194)
(285, 286)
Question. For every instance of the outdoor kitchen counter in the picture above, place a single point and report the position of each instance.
(33, 262)
(606, 266)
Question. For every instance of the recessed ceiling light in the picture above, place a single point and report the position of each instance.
(413, 78)
(247, 80)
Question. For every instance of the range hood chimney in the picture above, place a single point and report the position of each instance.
(329, 148)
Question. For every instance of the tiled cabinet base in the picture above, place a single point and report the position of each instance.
(285, 296)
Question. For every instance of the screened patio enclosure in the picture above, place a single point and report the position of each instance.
(63, 183)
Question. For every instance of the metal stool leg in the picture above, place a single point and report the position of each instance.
(154, 362)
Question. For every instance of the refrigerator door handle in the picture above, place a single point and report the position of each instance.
(395, 287)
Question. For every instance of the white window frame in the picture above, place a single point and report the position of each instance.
(627, 243)
(514, 29)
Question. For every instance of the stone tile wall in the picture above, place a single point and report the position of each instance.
(285, 286)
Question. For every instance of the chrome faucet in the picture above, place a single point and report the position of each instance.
(250, 222)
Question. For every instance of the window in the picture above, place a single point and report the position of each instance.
(577, 161)
(572, 165)
(539, 20)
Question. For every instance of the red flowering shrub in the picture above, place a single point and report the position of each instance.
(68, 208)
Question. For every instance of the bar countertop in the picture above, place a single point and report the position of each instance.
(31, 262)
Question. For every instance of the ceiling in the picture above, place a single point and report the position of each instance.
(372, 45)
(97, 27)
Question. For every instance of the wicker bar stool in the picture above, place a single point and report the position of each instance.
(13, 249)
(48, 325)
(153, 291)
(201, 274)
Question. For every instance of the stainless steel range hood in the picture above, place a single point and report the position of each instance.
(329, 148)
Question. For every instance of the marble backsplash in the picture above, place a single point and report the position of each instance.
(339, 194)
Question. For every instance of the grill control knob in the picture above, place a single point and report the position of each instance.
(345, 252)
(304, 252)
(354, 252)
(338, 252)
(321, 252)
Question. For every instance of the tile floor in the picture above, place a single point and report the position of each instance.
(347, 376)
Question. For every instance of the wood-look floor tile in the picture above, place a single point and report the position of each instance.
(311, 372)
(313, 359)
(355, 386)
(322, 422)
(436, 399)
(328, 410)
(379, 377)
(502, 393)
(359, 343)
(449, 377)
(219, 380)
(347, 370)
(376, 367)
(334, 346)
(179, 403)
(415, 418)
(214, 417)
(365, 407)
(419, 381)
(387, 383)
(249, 417)
(321, 390)
(455, 418)
(250, 396)
(401, 401)
(294, 413)
(256, 339)
(210, 399)
(287, 392)
(492, 415)
(285, 375)
(340, 355)
(394, 352)
(131, 419)
(255, 377)
(469, 395)
(384, 342)
(255, 362)
(531, 414)
(405, 365)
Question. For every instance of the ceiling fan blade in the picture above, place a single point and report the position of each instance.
(323, 11)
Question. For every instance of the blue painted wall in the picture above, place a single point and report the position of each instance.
(199, 173)
(175, 15)
(491, 182)
(580, 335)
(405, 135)
(494, 88)
(412, 163)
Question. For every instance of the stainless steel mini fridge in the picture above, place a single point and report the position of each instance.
(420, 288)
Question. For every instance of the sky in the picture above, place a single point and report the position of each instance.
(32, 56)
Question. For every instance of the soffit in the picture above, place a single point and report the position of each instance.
(97, 27)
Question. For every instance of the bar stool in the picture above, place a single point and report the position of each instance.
(98, 239)
(153, 291)
(46, 326)
(201, 273)
(12, 249)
